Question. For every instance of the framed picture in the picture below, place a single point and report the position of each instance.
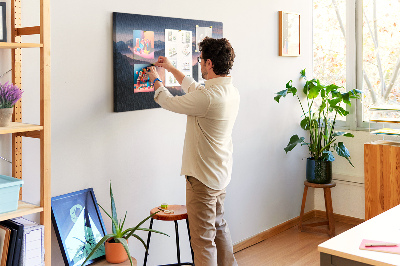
(78, 226)
(289, 34)
(3, 28)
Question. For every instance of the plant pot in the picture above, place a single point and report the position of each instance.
(115, 252)
(5, 116)
(319, 172)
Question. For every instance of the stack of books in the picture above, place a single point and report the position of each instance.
(21, 243)
(386, 131)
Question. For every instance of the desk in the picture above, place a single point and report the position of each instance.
(344, 248)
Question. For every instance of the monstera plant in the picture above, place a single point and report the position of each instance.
(324, 103)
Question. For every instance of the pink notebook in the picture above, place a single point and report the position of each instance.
(393, 249)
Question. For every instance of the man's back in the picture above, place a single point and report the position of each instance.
(208, 142)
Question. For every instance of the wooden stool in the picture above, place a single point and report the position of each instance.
(180, 213)
(328, 207)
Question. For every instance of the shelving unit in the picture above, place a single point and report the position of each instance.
(381, 177)
(381, 160)
(42, 131)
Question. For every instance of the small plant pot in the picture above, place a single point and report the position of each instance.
(318, 172)
(5, 116)
(115, 252)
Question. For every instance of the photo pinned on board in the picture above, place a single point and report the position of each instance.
(143, 44)
(201, 33)
(141, 79)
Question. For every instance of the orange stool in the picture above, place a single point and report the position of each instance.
(328, 207)
(179, 213)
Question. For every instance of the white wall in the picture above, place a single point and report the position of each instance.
(141, 151)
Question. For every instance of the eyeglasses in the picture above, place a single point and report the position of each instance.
(199, 59)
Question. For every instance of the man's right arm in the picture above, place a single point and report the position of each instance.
(188, 84)
(165, 63)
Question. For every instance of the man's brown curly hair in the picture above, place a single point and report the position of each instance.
(220, 52)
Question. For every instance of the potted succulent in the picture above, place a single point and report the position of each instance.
(9, 95)
(116, 243)
(324, 105)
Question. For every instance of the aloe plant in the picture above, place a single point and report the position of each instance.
(320, 124)
(119, 234)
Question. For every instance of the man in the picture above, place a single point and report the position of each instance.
(207, 155)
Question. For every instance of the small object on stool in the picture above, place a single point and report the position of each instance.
(328, 207)
(164, 206)
(174, 213)
(166, 211)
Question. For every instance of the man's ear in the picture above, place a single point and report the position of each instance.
(209, 63)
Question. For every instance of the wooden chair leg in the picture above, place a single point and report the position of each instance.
(303, 204)
(329, 211)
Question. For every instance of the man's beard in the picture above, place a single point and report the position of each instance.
(204, 74)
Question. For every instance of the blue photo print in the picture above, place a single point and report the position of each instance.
(141, 79)
(78, 226)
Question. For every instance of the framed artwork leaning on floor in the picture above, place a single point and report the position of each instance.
(78, 226)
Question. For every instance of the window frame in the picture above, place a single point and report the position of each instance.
(354, 70)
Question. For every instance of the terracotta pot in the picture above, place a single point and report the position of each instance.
(5, 116)
(115, 252)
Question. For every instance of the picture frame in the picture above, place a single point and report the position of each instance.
(3, 24)
(289, 34)
(78, 226)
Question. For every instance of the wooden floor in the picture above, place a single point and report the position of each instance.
(290, 247)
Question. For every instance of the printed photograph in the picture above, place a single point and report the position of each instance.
(142, 80)
(201, 33)
(144, 44)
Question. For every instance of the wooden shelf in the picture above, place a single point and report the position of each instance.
(387, 131)
(10, 45)
(385, 107)
(16, 127)
(24, 208)
(385, 120)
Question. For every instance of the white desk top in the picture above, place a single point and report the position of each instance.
(384, 227)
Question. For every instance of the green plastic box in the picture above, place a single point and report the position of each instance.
(9, 193)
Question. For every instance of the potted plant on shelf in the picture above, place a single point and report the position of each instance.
(116, 243)
(9, 95)
(324, 105)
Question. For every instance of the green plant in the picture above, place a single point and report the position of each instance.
(118, 233)
(321, 122)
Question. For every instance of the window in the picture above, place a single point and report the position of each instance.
(363, 54)
(381, 51)
(329, 66)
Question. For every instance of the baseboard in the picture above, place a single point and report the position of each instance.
(340, 218)
(289, 224)
(271, 232)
